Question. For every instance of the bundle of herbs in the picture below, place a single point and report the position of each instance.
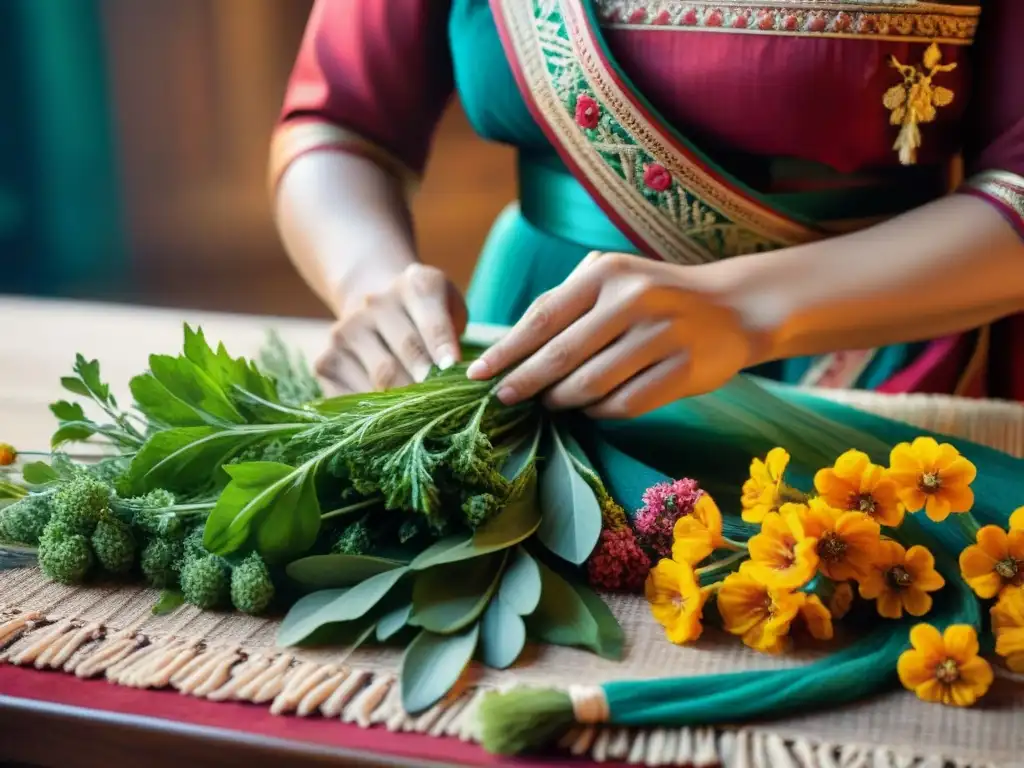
(431, 515)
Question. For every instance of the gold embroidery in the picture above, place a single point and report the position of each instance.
(914, 101)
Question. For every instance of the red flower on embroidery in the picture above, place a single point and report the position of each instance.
(866, 24)
(714, 19)
(657, 177)
(817, 23)
(690, 18)
(791, 22)
(637, 16)
(742, 21)
(767, 20)
(662, 18)
(587, 112)
(843, 22)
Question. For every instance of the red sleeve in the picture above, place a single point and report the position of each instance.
(372, 77)
(995, 142)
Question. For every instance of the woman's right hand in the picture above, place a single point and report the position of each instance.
(390, 336)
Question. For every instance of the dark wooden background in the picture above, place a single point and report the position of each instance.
(196, 88)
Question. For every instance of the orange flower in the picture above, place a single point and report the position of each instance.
(847, 541)
(841, 600)
(765, 491)
(7, 454)
(1008, 626)
(677, 601)
(996, 561)
(816, 617)
(759, 614)
(901, 580)
(781, 555)
(932, 477)
(945, 667)
(697, 535)
(855, 484)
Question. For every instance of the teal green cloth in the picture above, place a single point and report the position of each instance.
(60, 219)
(532, 248)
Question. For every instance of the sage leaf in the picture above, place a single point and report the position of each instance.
(520, 586)
(515, 523)
(392, 622)
(330, 571)
(522, 456)
(611, 639)
(168, 602)
(564, 617)
(332, 606)
(447, 598)
(571, 516)
(269, 505)
(39, 473)
(433, 664)
(502, 635)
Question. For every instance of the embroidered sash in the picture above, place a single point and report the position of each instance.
(668, 197)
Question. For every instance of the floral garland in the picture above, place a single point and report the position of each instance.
(815, 553)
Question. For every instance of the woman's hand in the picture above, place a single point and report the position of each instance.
(391, 336)
(623, 335)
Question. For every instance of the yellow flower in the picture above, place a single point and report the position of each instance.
(1008, 626)
(781, 555)
(841, 600)
(855, 484)
(816, 616)
(932, 477)
(996, 561)
(1017, 520)
(677, 601)
(759, 614)
(764, 491)
(847, 541)
(7, 454)
(697, 535)
(945, 667)
(901, 580)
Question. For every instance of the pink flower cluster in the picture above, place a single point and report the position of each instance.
(618, 564)
(665, 503)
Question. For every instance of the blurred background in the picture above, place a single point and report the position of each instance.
(133, 156)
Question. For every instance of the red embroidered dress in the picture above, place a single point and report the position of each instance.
(691, 130)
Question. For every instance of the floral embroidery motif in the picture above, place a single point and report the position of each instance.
(913, 102)
(901, 20)
(709, 229)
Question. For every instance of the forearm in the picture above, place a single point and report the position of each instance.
(949, 266)
(345, 224)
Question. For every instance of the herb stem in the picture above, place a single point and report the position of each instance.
(342, 511)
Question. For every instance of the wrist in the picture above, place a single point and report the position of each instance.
(347, 284)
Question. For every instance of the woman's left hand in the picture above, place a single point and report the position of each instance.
(623, 335)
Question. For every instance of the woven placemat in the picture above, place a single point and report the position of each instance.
(111, 631)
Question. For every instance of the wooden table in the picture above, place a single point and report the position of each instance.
(54, 719)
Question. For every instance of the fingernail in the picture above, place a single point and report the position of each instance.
(445, 357)
(479, 369)
(507, 395)
(421, 373)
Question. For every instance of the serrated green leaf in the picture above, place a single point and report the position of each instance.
(433, 664)
(332, 571)
(502, 635)
(189, 384)
(521, 584)
(75, 385)
(516, 523)
(392, 622)
(447, 598)
(169, 601)
(571, 516)
(39, 473)
(272, 507)
(89, 372)
(332, 606)
(563, 617)
(66, 411)
(225, 370)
